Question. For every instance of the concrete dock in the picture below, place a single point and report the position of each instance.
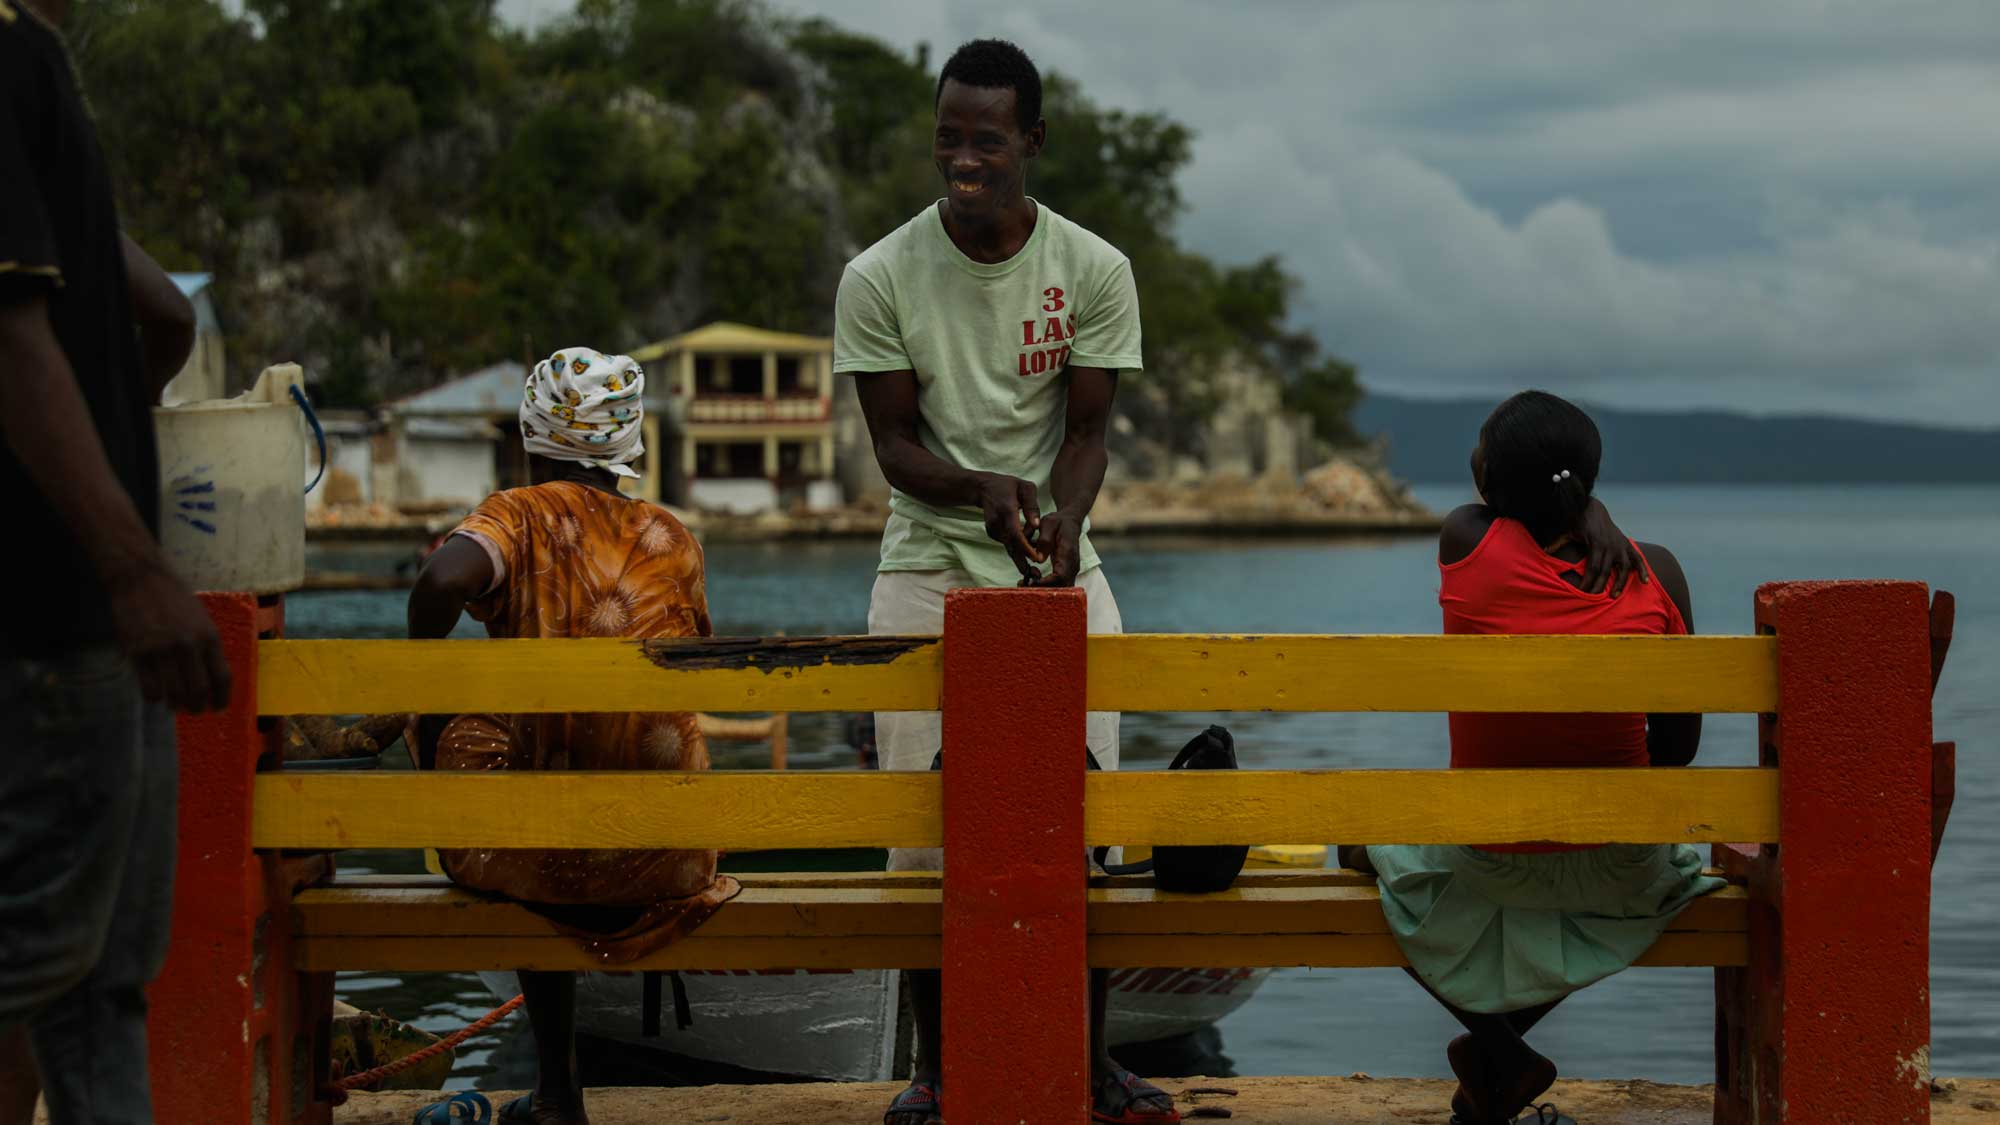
(1355, 1100)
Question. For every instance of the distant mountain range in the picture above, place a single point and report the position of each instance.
(1429, 440)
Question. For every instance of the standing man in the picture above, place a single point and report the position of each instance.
(986, 336)
(103, 639)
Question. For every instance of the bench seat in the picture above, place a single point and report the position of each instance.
(889, 920)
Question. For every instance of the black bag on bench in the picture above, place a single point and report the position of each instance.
(1183, 868)
(1191, 868)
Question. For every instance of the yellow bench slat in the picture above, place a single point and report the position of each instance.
(1158, 672)
(911, 880)
(766, 911)
(695, 674)
(841, 808)
(1123, 951)
(1261, 923)
(1137, 672)
(1615, 806)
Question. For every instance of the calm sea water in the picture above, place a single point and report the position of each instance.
(1654, 1023)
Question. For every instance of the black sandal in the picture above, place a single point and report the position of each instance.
(1128, 1090)
(1546, 1114)
(917, 1097)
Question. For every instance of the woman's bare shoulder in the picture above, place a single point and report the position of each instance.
(1464, 528)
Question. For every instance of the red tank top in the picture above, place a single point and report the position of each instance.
(1509, 585)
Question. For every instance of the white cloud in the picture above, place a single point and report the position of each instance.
(1774, 206)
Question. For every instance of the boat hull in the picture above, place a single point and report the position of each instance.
(846, 1026)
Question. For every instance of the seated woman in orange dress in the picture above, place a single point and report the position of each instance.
(570, 556)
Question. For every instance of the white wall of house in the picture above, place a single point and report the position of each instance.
(350, 453)
(739, 496)
(434, 470)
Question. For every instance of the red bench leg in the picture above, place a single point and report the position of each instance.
(1016, 1017)
(235, 1033)
(1831, 1019)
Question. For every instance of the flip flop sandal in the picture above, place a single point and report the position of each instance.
(1127, 1090)
(1546, 1114)
(465, 1107)
(918, 1097)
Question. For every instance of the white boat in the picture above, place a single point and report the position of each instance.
(850, 1025)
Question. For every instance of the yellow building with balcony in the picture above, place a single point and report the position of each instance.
(747, 416)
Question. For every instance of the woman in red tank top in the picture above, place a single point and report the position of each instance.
(1500, 934)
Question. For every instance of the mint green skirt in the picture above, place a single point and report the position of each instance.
(1502, 931)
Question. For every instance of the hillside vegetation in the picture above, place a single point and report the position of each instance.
(392, 192)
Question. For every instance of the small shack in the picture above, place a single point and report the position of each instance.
(452, 445)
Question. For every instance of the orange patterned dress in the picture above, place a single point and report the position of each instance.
(575, 561)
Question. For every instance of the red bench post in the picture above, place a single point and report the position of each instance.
(1830, 1021)
(1016, 999)
(235, 1033)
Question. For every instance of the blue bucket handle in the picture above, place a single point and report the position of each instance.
(319, 433)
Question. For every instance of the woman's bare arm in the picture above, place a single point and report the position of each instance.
(1671, 740)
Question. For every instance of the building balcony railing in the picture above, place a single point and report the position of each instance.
(756, 408)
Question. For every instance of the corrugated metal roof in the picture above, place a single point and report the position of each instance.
(448, 429)
(489, 391)
(728, 337)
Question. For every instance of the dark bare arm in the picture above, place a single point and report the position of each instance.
(1671, 740)
(161, 625)
(455, 574)
(1011, 508)
(1078, 472)
(1609, 558)
(165, 317)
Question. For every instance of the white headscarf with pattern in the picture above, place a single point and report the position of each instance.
(580, 405)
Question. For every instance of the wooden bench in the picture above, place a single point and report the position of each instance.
(1822, 1010)
(1325, 919)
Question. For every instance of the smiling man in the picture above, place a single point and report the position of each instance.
(986, 336)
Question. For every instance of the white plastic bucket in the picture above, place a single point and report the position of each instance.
(232, 509)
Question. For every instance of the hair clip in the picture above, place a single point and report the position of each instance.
(1559, 477)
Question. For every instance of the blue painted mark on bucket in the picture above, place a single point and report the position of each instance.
(203, 486)
(197, 505)
(198, 525)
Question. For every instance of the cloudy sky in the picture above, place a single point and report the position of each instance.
(1776, 207)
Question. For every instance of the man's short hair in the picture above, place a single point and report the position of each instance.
(994, 64)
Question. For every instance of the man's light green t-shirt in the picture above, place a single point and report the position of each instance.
(989, 344)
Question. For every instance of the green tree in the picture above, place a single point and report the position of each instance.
(158, 75)
(421, 187)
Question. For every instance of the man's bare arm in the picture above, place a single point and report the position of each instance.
(47, 425)
(165, 317)
(1078, 473)
(1012, 510)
